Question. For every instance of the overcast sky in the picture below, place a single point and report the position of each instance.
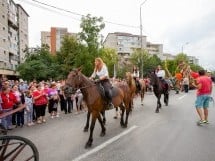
(173, 23)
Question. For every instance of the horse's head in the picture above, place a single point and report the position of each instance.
(153, 78)
(128, 76)
(73, 81)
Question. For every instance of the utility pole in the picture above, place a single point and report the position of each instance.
(182, 47)
(141, 37)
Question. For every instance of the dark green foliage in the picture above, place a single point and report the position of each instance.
(38, 65)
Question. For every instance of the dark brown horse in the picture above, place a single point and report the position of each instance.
(159, 88)
(95, 101)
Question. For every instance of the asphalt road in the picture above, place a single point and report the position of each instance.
(171, 135)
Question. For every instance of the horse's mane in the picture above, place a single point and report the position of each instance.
(156, 79)
(130, 78)
(88, 88)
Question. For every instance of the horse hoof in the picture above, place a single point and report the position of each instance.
(102, 134)
(124, 126)
(156, 111)
(115, 117)
(88, 145)
(85, 130)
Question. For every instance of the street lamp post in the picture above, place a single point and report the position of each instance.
(182, 47)
(141, 36)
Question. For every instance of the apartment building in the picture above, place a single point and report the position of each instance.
(124, 43)
(193, 60)
(154, 49)
(54, 38)
(13, 36)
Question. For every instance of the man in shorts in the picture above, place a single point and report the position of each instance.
(204, 89)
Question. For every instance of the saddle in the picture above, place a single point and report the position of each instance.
(164, 84)
(114, 91)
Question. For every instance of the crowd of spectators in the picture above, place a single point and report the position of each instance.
(39, 99)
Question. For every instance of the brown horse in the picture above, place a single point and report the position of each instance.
(133, 87)
(95, 101)
(142, 89)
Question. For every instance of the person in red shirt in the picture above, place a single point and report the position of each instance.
(40, 102)
(204, 89)
(8, 101)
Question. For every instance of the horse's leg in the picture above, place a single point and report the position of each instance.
(132, 102)
(158, 103)
(103, 117)
(128, 109)
(142, 96)
(102, 126)
(87, 123)
(166, 98)
(117, 113)
(92, 125)
(122, 107)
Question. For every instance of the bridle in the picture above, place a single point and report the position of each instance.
(84, 87)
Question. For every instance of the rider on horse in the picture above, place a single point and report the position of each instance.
(136, 75)
(161, 75)
(101, 75)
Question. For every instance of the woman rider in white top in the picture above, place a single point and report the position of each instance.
(160, 73)
(136, 75)
(100, 74)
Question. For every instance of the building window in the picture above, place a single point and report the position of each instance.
(4, 52)
(3, 28)
(3, 16)
(4, 40)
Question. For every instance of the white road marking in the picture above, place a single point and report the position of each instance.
(182, 97)
(105, 144)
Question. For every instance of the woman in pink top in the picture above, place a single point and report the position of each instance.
(53, 100)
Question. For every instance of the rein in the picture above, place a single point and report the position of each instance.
(84, 86)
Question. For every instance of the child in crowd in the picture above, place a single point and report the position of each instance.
(29, 108)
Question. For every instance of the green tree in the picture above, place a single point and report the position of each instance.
(38, 65)
(69, 53)
(139, 59)
(153, 62)
(181, 57)
(195, 67)
(144, 60)
(110, 57)
(91, 27)
(171, 65)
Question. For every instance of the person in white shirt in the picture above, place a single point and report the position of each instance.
(136, 72)
(161, 75)
(160, 72)
(136, 75)
(101, 75)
